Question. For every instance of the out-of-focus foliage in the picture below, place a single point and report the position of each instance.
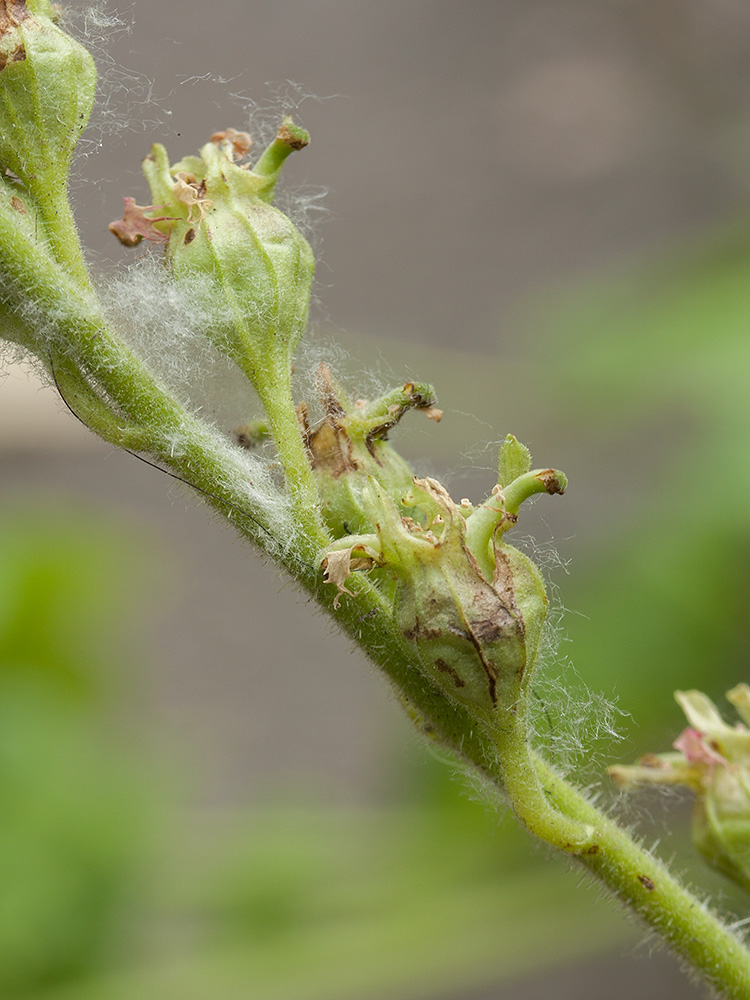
(71, 810)
(659, 368)
(299, 902)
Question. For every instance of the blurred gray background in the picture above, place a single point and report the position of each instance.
(476, 158)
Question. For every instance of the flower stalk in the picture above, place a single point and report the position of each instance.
(429, 588)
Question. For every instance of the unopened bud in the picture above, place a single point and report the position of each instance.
(349, 446)
(476, 624)
(713, 760)
(217, 220)
(47, 85)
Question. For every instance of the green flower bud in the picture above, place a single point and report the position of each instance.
(713, 760)
(350, 445)
(47, 84)
(476, 625)
(219, 224)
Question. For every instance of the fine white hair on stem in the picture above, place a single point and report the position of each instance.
(251, 479)
(167, 324)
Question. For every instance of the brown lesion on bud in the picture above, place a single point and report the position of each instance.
(330, 447)
(502, 578)
(17, 55)
(446, 668)
(493, 628)
(492, 622)
(329, 444)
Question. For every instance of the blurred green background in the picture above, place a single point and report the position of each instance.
(203, 794)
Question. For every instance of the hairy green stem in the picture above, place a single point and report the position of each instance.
(78, 340)
(608, 852)
(646, 886)
(62, 232)
(527, 795)
(121, 397)
(283, 424)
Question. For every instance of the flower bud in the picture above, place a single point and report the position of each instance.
(476, 623)
(219, 224)
(713, 760)
(349, 446)
(47, 86)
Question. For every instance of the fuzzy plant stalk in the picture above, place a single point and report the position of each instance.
(428, 587)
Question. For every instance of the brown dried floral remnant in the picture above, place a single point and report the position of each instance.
(338, 564)
(192, 192)
(240, 141)
(135, 225)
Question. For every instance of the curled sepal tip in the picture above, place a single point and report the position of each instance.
(517, 482)
(350, 444)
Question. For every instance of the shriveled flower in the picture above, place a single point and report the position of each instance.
(135, 225)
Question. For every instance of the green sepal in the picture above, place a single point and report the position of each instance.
(513, 461)
(723, 838)
(22, 220)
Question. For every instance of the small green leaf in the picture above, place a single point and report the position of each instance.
(514, 461)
